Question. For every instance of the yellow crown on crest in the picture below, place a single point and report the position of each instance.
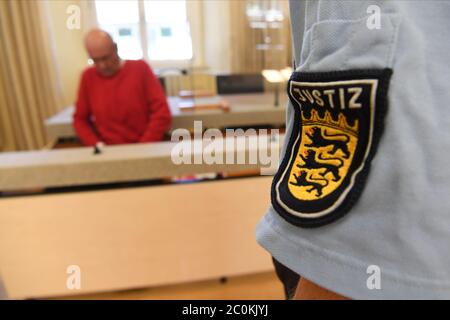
(340, 124)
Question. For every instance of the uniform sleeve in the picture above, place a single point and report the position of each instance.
(82, 117)
(160, 118)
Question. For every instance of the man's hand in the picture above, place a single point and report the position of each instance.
(307, 290)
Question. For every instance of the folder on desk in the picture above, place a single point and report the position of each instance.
(203, 104)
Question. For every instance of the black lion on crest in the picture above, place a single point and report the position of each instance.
(302, 181)
(311, 163)
(324, 140)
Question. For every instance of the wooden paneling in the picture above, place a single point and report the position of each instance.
(132, 238)
(195, 81)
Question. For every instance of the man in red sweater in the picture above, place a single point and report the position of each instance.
(118, 101)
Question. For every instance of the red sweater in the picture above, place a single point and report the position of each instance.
(128, 107)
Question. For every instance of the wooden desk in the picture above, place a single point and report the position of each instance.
(131, 238)
(245, 110)
(122, 163)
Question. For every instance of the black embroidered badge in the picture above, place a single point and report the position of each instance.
(339, 119)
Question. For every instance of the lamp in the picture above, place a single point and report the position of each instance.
(286, 73)
(277, 77)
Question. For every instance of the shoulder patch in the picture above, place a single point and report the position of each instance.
(339, 119)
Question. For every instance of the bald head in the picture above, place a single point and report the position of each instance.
(103, 51)
(97, 39)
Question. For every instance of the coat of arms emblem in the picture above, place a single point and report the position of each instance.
(338, 122)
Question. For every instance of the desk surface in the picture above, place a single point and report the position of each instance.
(245, 110)
(121, 163)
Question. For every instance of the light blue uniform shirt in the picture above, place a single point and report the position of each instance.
(401, 223)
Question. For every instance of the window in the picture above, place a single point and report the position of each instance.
(168, 32)
(156, 30)
(121, 20)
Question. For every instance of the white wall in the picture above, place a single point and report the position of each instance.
(71, 57)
